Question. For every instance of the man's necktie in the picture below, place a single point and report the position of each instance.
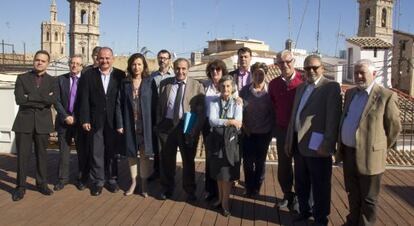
(73, 90)
(177, 103)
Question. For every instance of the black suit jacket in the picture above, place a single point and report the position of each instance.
(63, 103)
(34, 102)
(96, 107)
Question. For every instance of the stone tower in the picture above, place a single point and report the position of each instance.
(84, 27)
(375, 19)
(53, 37)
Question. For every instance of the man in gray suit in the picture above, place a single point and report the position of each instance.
(35, 92)
(311, 139)
(369, 126)
(179, 95)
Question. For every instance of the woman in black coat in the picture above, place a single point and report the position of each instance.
(134, 120)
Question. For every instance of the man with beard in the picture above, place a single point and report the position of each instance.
(311, 139)
(369, 126)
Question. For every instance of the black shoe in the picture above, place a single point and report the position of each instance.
(302, 217)
(113, 187)
(154, 176)
(96, 190)
(226, 213)
(80, 186)
(282, 203)
(18, 193)
(166, 195)
(191, 197)
(59, 186)
(293, 205)
(45, 190)
(216, 206)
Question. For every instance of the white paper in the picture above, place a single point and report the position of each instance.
(315, 141)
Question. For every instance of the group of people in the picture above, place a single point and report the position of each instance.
(148, 117)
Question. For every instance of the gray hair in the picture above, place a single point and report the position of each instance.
(226, 78)
(284, 52)
(310, 57)
(366, 62)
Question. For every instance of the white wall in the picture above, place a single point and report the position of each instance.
(8, 113)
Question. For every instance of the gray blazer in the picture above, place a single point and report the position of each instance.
(320, 114)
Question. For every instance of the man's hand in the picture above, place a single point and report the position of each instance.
(322, 152)
(120, 130)
(86, 126)
(288, 151)
(189, 139)
(69, 120)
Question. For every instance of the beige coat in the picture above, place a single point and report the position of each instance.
(193, 101)
(320, 114)
(377, 132)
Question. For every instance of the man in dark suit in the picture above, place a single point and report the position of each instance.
(369, 126)
(242, 75)
(35, 92)
(179, 95)
(100, 88)
(311, 139)
(68, 127)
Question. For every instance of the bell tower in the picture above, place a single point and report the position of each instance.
(53, 37)
(375, 19)
(84, 27)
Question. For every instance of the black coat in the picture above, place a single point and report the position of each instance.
(96, 107)
(63, 103)
(34, 103)
(125, 116)
(224, 140)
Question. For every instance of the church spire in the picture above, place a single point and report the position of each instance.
(53, 12)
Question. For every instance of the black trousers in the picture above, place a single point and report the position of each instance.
(313, 175)
(255, 149)
(104, 164)
(210, 185)
(24, 143)
(170, 141)
(82, 149)
(362, 191)
(285, 167)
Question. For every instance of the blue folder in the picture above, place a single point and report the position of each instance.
(189, 120)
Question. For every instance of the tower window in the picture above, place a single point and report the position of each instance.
(63, 37)
(56, 36)
(47, 36)
(83, 17)
(384, 18)
(83, 50)
(375, 53)
(367, 17)
(93, 18)
(61, 50)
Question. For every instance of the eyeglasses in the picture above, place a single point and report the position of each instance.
(215, 69)
(281, 62)
(74, 63)
(314, 68)
(163, 58)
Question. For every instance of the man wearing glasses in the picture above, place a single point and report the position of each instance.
(164, 71)
(282, 92)
(67, 124)
(311, 139)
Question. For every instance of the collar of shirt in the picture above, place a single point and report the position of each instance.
(258, 93)
(291, 77)
(243, 72)
(77, 75)
(315, 83)
(369, 88)
(110, 72)
(183, 81)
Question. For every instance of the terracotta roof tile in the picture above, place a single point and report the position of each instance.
(370, 42)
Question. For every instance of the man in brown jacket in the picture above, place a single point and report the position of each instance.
(369, 126)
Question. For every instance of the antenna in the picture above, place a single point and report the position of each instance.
(289, 19)
(338, 34)
(317, 33)
(301, 22)
(139, 13)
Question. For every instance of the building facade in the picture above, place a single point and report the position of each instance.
(53, 35)
(84, 27)
(403, 62)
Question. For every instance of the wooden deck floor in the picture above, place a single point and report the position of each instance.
(72, 207)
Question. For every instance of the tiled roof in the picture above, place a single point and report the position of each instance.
(370, 42)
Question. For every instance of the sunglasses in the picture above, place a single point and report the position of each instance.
(314, 68)
(215, 69)
(281, 62)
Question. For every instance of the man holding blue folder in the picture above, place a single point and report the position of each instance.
(180, 99)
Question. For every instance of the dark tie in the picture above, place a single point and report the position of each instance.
(72, 96)
(177, 103)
